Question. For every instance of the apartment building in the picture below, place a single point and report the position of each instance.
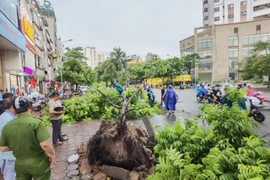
(26, 46)
(222, 47)
(151, 56)
(91, 54)
(101, 57)
(233, 11)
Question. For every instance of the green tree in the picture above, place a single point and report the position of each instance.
(75, 70)
(118, 59)
(188, 62)
(105, 71)
(75, 53)
(259, 63)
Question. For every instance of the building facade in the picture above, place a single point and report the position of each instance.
(26, 47)
(12, 45)
(233, 11)
(101, 57)
(222, 47)
(151, 56)
(91, 55)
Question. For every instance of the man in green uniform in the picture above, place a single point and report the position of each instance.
(28, 138)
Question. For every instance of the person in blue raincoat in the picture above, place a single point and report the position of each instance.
(118, 87)
(170, 99)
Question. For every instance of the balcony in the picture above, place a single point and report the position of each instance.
(261, 10)
(205, 2)
(260, 2)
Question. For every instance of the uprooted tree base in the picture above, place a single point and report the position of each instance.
(125, 146)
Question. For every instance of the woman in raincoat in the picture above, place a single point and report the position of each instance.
(170, 99)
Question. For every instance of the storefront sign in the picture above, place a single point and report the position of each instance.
(28, 70)
(11, 33)
(28, 29)
(30, 46)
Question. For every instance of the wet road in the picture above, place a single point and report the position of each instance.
(187, 107)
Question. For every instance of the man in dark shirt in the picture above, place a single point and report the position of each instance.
(218, 93)
(162, 95)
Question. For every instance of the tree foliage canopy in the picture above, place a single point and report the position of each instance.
(117, 67)
(75, 70)
(259, 63)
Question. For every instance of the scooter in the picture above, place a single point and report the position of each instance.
(257, 94)
(255, 112)
(201, 98)
(37, 106)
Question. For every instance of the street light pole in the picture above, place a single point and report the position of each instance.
(61, 60)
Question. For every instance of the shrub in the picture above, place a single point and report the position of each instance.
(95, 106)
(229, 149)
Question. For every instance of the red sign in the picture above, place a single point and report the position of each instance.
(30, 46)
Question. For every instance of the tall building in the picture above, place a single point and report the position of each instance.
(151, 56)
(91, 54)
(232, 11)
(53, 44)
(101, 57)
(222, 47)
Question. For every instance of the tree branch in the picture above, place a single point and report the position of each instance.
(136, 109)
(109, 101)
(130, 99)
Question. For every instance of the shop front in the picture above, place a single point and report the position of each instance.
(12, 45)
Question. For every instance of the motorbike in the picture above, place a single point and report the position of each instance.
(255, 112)
(201, 98)
(38, 105)
(257, 94)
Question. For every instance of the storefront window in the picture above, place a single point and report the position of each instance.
(9, 8)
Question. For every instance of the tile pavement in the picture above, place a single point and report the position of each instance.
(76, 133)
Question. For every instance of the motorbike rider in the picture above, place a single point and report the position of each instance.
(203, 91)
(217, 93)
(229, 103)
(210, 95)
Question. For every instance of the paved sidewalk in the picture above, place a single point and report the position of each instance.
(77, 134)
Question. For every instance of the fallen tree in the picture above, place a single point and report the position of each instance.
(119, 144)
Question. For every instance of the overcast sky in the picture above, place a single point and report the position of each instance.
(138, 26)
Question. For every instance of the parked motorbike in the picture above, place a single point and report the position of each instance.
(255, 112)
(38, 105)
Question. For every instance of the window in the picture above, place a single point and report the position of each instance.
(233, 41)
(248, 51)
(258, 27)
(235, 30)
(243, 3)
(216, 9)
(10, 9)
(244, 13)
(204, 44)
(188, 51)
(216, 18)
(205, 55)
(234, 75)
(37, 41)
(233, 53)
(206, 66)
(233, 64)
(230, 6)
(231, 16)
(216, 1)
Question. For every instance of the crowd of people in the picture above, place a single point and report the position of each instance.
(26, 151)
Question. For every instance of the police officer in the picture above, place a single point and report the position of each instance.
(28, 138)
